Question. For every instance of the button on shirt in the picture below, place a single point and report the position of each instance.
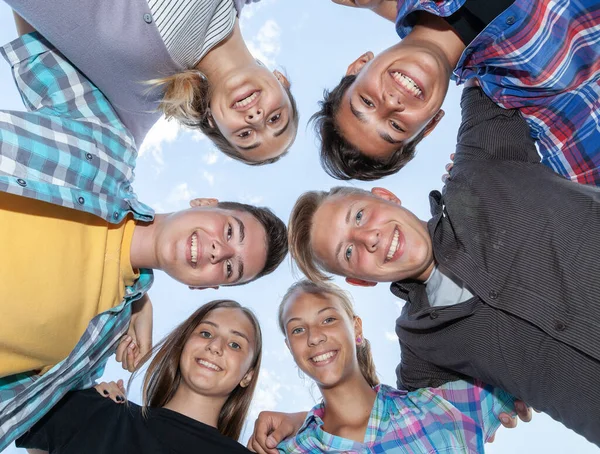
(457, 417)
(542, 57)
(44, 155)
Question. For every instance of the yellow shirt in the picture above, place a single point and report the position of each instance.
(58, 269)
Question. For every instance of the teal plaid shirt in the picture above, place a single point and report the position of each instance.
(456, 418)
(70, 149)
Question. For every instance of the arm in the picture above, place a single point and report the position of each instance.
(138, 340)
(384, 8)
(23, 27)
(271, 428)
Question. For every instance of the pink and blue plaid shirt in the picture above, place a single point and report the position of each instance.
(457, 418)
(543, 58)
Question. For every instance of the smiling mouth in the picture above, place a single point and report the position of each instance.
(194, 249)
(324, 357)
(394, 245)
(247, 101)
(408, 84)
(208, 365)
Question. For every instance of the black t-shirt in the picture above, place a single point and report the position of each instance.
(84, 422)
(474, 16)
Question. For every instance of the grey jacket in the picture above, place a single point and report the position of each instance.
(116, 44)
(526, 242)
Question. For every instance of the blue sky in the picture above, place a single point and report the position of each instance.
(313, 41)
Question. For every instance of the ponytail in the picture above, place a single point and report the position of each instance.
(366, 363)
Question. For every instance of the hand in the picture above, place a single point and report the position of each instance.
(523, 412)
(114, 391)
(138, 340)
(271, 428)
(448, 168)
(370, 4)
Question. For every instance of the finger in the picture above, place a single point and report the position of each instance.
(492, 438)
(452, 156)
(121, 386)
(262, 428)
(101, 389)
(131, 352)
(122, 348)
(523, 411)
(508, 421)
(115, 393)
(445, 178)
(449, 166)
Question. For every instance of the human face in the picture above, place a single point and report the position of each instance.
(254, 113)
(218, 355)
(370, 237)
(321, 337)
(395, 96)
(208, 246)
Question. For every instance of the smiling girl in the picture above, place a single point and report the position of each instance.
(196, 394)
(358, 414)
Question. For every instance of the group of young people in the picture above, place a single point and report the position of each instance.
(509, 252)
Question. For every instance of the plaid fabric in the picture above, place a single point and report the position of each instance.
(456, 418)
(543, 58)
(70, 149)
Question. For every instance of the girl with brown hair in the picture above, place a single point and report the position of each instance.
(196, 394)
(357, 413)
(184, 58)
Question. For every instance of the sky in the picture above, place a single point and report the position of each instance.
(313, 42)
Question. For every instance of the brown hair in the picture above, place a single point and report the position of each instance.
(342, 160)
(300, 226)
(276, 233)
(164, 376)
(363, 350)
(187, 99)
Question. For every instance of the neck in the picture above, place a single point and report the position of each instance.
(348, 407)
(227, 57)
(143, 252)
(204, 409)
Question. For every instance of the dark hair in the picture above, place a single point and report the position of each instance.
(342, 160)
(322, 289)
(276, 231)
(164, 376)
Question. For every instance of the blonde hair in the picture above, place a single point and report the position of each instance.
(300, 225)
(164, 376)
(363, 350)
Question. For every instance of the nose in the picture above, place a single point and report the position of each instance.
(394, 102)
(215, 346)
(254, 115)
(316, 337)
(369, 238)
(219, 252)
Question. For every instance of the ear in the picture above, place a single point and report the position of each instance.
(358, 331)
(282, 79)
(359, 63)
(247, 379)
(203, 202)
(360, 282)
(433, 123)
(203, 288)
(384, 194)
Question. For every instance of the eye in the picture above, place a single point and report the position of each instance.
(229, 231)
(275, 118)
(297, 330)
(359, 216)
(245, 134)
(235, 345)
(366, 102)
(329, 320)
(349, 252)
(396, 126)
(229, 267)
(205, 334)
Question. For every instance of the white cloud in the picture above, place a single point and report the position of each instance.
(209, 177)
(252, 199)
(391, 336)
(210, 157)
(267, 395)
(162, 132)
(180, 193)
(267, 43)
(250, 10)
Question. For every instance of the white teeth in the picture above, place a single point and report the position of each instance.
(194, 248)
(323, 357)
(247, 100)
(394, 245)
(408, 83)
(209, 365)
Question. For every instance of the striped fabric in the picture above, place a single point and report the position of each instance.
(70, 149)
(526, 242)
(543, 58)
(455, 418)
(70, 146)
(190, 28)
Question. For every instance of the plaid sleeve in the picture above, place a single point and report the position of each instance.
(482, 403)
(49, 84)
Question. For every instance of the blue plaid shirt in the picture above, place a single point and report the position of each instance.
(456, 418)
(70, 150)
(543, 58)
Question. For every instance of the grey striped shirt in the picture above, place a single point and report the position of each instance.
(190, 28)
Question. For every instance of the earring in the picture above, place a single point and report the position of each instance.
(358, 340)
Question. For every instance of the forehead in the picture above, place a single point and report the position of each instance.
(304, 305)
(231, 319)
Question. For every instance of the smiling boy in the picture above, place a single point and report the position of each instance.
(539, 56)
(501, 283)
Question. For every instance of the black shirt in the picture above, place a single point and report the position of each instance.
(84, 422)
(474, 16)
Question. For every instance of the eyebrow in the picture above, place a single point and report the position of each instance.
(385, 136)
(250, 147)
(363, 119)
(237, 333)
(322, 310)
